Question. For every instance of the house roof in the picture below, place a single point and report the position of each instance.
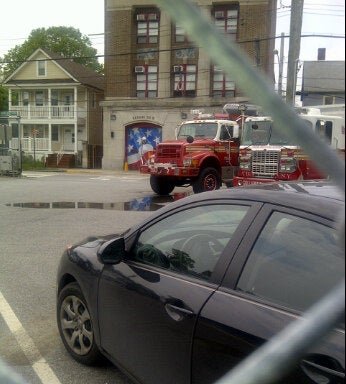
(324, 76)
(78, 72)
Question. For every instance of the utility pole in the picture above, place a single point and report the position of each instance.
(297, 7)
(281, 62)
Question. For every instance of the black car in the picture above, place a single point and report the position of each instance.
(187, 294)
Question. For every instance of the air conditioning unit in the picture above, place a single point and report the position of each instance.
(152, 16)
(141, 17)
(218, 69)
(219, 14)
(139, 69)
(178, 69)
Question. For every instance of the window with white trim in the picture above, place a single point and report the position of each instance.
(147, 28)
(41, 68)
(185, 77)
(147, 82)
(226, 20)
(328, 100)
(25, 98)
(222, 85)
(39, 98)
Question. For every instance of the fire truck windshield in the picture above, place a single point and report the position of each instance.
(263, 133)
(197, 130)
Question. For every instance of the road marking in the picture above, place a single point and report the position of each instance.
(37, 175)
(37, 361)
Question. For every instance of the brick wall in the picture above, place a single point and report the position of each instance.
(255, 22)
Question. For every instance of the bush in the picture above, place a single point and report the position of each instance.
(28, 163)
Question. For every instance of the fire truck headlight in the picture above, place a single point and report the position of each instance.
(246, 166)
(190, 163)
(288, 165)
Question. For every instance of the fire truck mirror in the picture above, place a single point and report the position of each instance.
(190, 139)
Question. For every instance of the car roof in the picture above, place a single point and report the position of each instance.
(318, 197)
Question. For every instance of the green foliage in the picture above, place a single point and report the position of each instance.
(66, 41)
(28, 163)
(3, 99)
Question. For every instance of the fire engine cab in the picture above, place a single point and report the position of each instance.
(265, 155)
(204, 155)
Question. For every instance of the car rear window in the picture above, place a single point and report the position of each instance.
(294, 262)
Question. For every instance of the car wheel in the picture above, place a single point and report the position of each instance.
(161, 185)
(208, 180)
(75, 325)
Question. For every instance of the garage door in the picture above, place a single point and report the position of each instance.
(141, 141)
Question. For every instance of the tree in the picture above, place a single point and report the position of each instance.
(3, 99)
(66, 41)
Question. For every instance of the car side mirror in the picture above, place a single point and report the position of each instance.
(113, 251)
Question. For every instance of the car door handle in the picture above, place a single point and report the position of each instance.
(177, 313)
(319, 368)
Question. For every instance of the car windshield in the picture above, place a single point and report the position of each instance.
(198, 130)
(263, 133)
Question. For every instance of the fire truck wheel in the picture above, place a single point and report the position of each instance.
(208, 180)
(161, 185)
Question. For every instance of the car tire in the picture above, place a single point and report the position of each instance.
(161, 185)
(208, 180)
(76, 327)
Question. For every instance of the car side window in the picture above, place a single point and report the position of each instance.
(226, 132)
(189, 242)
(294, 262)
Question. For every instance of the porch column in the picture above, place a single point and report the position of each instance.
(75, 121)
(50, 137)
(10, 99)
(49, 103)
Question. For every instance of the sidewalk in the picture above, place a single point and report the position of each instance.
(108, 172)
(103, 172)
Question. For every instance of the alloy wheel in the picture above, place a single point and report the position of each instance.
(76, 325)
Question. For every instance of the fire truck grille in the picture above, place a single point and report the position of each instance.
(168, 151)
(265, 163)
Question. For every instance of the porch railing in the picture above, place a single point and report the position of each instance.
(30, 144)
(45, 112)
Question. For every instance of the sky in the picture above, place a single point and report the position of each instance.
(20, 17)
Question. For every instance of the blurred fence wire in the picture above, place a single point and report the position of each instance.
(272, 361)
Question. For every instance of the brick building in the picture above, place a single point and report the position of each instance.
(155, 76)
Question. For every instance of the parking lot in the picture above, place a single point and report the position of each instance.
(41, 213)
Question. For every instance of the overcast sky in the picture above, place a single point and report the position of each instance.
(20, 17)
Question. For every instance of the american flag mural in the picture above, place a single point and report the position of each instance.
(140, 143)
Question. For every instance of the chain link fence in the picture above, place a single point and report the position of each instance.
(275, 358)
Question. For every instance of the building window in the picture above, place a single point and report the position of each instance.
(226, 20)
(54, 98)
(39, 99)
(180, 34)
(55, 133)
(25, 98)
(328, 100)
(41, 68)
(147, 28)
(147, 81)
(185, 77)
(222, 85)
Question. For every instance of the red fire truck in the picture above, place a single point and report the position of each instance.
(265, 155)
(204, 155)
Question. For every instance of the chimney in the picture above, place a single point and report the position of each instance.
(321, 54)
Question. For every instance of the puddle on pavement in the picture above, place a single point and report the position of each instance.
(150, 203)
